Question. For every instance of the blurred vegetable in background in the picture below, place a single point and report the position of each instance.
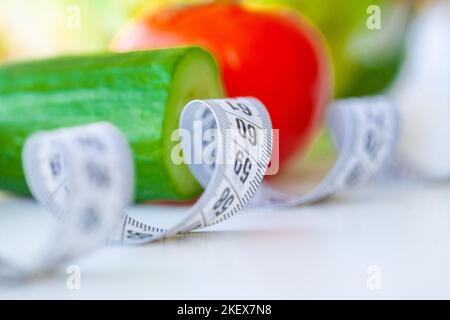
(273, 55)
(142, 93)
(365, 61)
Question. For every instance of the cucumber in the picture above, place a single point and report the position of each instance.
(142, 93)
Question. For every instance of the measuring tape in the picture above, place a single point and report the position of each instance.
(84, 175)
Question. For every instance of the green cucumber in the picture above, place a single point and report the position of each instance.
(142, 93)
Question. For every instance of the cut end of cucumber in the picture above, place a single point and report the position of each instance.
(196, 77)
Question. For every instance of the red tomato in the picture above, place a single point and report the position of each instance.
(274, 56)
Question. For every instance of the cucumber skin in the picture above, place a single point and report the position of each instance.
(130, 90)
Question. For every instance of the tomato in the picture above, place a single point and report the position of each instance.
(275, 56)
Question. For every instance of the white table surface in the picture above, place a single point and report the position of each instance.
(399, 234)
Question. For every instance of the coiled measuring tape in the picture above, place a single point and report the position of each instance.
(84, 175)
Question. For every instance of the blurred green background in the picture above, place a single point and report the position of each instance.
(365, 61)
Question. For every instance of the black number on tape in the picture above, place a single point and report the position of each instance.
(225, 201)
(55, 165)
(240, 107)
(241, 165)
(137, 235)
(247, 131)
(373, 145)
(98, 175)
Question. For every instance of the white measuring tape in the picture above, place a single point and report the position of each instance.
(84, 175)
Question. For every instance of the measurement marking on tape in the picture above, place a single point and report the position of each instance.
(112, 190)
(234, 189)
